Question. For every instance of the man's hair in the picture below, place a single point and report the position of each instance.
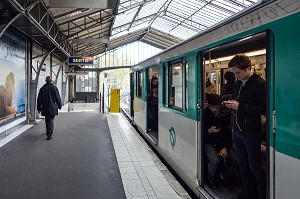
(214, 99)
(48, 79)
(240, 61)
(229, 76)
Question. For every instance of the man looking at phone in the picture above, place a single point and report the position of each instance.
(217, 138)
(248, 106)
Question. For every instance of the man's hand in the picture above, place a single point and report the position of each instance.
(213, 129)
(223, 153)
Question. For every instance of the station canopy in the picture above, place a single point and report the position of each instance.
(89, 28)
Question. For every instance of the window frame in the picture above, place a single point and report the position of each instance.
(167, 84)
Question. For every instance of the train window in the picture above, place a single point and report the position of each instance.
(175, 85)
(139, 83)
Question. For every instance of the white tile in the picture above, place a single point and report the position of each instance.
(132, 183)
(130, 176)
(164, 190)
(154, 174)
(147, 163)
(169, 197)
(158, 182)
(139, 197)
(150, 168)
(143, 174)
(135, 192)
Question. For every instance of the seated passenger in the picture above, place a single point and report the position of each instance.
(217, 139)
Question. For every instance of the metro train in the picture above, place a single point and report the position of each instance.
(269, 34)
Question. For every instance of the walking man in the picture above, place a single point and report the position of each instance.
(248, 105)
(48, 103)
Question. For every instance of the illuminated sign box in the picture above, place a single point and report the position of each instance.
(81, 61)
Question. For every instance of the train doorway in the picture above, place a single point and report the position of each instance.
(220, 175)
(152, 102)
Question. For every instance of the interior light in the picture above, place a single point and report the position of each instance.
(227, 58)
(255, 53)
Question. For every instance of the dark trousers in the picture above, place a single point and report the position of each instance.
(214, 160)
(247, 149)
(49, 124)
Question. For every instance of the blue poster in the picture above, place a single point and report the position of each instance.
(12, 76)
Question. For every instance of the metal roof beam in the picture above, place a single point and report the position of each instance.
(187, 20)
(102, 4)
(80, 17)
(136, 23)
(191, 15)
(132, 5)
(88, 23)
(89, 34)
(66, 13)
(90, 41)
(163, 9)
(135, 16)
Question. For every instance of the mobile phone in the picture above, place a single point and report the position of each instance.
(227, 102)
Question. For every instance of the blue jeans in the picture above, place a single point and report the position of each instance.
(247, 149)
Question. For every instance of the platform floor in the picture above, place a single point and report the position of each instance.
(91, 155)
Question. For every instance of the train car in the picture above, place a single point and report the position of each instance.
(172, 120)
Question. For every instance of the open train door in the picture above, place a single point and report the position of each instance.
(271, 114)
(201, 98)
(152, 102)
(131, 97)
(259, 48)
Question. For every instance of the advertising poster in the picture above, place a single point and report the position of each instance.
(12, 77)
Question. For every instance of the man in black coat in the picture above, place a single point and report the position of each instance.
(48, 103)
(217, 139)
(248, 106)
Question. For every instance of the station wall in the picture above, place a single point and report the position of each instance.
(12, 78)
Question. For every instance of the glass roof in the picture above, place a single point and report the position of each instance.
(180, 18)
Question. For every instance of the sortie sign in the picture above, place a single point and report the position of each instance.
(81, 61)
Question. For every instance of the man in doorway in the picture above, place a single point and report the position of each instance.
(48, 103)
(248, 105)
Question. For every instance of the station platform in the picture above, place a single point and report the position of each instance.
(91, 155)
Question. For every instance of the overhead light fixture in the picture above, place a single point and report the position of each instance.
(256, 53)
(77, 73)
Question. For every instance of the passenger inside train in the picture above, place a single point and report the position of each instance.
(216, 65)
(221, 159)
(153, 104)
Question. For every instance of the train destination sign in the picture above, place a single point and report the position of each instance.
(80, 60)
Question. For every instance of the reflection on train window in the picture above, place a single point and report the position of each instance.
(186, 85)
(140, 83)
(175, 86)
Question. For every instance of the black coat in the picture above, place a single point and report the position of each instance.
(222, 138)
(252, 104)
(49, 101)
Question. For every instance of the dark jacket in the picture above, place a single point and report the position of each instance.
(48, 101)
(252, 104)
(222, 138)
(227, 88)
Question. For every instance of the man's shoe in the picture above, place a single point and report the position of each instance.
(49, 138)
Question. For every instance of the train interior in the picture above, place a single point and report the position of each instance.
(152, 102)
(216, 61)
